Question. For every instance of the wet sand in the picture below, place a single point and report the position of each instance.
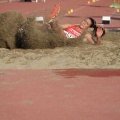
(104, 56)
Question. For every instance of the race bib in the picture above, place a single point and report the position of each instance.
(69, 35)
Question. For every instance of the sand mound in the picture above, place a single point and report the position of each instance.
(104, 56)
(35, 36)
(31, 47)
(9, 24)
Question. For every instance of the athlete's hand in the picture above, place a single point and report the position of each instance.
(99, 32)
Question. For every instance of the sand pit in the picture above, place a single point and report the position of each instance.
(104, 56)
(37, 48)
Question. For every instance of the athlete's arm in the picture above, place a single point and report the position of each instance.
(99, 33)
(88, 37)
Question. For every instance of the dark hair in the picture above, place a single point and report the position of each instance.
(93, 22)
(94, 26)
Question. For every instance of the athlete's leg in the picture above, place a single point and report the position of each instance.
(57, 28)
(88, 39)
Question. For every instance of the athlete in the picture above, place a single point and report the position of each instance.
(75, 31)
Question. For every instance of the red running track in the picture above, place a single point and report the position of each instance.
(60, 94)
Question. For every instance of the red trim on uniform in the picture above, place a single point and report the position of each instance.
(74, 31)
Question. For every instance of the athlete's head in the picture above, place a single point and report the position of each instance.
(87, 22)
